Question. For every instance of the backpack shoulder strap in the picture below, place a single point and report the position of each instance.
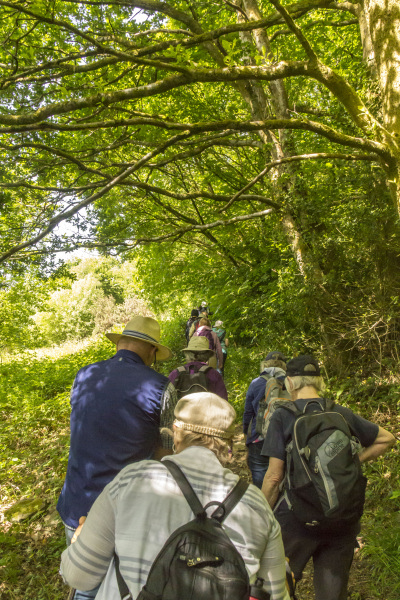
(223, 509)
(181, 369)
(291, 407)
(329, 404)
(234, 496)
(266, 377)
(122, 587)
(204, 369)
(185, 487)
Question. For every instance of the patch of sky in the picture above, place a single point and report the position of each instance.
(69, 230)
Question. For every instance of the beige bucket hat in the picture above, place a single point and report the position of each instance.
(198, 343)
(145, 329)
(207, 413)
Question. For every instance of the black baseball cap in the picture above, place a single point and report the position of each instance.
(276, 355)
(303, 365)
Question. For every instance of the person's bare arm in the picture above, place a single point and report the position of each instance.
(78, 529)
(384, 440)
(272, 480)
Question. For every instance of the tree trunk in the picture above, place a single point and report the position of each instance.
(379, 22)
(383, 18)
(283, 147)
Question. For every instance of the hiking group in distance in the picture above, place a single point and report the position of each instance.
(149, 503)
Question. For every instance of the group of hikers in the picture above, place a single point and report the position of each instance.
(150, 509)
(199, 324)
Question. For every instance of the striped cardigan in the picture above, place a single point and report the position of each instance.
(142, 506)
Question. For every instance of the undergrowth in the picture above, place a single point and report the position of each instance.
(34, 434)
(34, 406)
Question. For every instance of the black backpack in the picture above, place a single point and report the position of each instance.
(324, 484)
(198, 561)
(189, 382)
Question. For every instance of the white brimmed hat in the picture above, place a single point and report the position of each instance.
(207, 413)
(145, 329)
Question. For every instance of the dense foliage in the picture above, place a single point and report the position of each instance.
(81, 298)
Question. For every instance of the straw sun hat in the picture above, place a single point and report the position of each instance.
(145, 329)
(198, 343)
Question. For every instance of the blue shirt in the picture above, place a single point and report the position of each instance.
(115, 418)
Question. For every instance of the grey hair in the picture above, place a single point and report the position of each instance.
(202, 355)
(279, 364)
(301, 381)
(219, 446)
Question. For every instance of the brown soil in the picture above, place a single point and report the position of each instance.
(360, 574)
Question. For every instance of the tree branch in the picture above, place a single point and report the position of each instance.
(56, 152)
(206, 226)
(289, 159)
(62, 216)
(296, 30)
(352, 7)
(334, 82)
(249, 126)
(315, 24)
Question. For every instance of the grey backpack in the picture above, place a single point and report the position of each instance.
(324, 484)
(190, 380)
(274, 397)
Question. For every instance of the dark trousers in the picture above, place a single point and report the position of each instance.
(332, 555)
(224, 355)
(257, 464)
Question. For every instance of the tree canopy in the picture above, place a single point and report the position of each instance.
(163, 118)
(261, 137)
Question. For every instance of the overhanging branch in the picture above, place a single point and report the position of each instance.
(205, 227)
(104, 190)
(289, 159)
(249, 126)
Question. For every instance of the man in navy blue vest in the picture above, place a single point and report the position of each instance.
(117, 409)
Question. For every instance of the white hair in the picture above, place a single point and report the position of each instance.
(300, 381)
(217, 445)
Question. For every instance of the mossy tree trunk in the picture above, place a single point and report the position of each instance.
(380, 32)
